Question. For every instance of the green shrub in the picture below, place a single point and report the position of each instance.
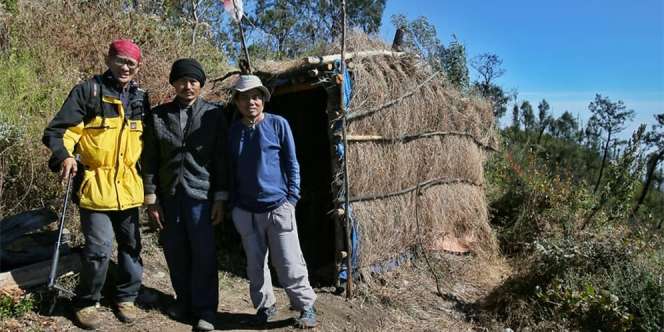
(579, 263)
(26, 99)
(15, 307)
(530, 202)
(592, 282)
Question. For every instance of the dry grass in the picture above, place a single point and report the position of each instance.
(434, 107)
(409, 299)
(387, 227)
(357, 41)
(85, 29)
(406, 164)
(459, 210)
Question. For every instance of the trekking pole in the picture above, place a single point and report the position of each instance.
(53, 287)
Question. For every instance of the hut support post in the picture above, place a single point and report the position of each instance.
(347, 222)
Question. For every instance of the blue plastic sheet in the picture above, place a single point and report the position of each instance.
(340, 149)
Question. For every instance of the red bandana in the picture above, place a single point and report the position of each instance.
(125, 47)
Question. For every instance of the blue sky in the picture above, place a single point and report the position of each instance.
(565, 51)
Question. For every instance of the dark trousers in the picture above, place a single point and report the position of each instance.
(99, 228)
(189, 247)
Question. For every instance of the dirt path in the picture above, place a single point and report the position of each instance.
(404, 299)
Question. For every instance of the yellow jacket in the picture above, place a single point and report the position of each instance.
(94, 123)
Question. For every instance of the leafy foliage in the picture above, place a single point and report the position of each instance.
(581, 262)
(290, 28)
(421, 37)
(489, 68)
(15, 307)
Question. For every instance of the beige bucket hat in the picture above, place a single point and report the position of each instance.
(248, 82)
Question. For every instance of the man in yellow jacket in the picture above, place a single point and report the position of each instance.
(102, 121)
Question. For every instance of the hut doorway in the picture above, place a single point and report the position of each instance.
(306, 114)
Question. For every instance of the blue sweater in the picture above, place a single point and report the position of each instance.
(264, 165)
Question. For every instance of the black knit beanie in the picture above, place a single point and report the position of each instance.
(189, 68)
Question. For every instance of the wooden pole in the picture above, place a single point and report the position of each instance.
(347, 222)
(398, 39)
(244, 45)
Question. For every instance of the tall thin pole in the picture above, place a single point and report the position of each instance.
(244, 45)
(347, 222)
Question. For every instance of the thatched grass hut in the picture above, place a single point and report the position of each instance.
(416, 147)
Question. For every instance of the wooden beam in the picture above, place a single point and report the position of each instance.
(361, 138)
(37, 274)
(314, 60)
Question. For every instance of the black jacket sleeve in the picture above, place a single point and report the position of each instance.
(220, 170)
(64, 131)
(150, 155)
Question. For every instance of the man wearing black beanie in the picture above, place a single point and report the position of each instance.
(187, 68)
(186, 183)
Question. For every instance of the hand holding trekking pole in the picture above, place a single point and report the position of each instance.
(69, 168)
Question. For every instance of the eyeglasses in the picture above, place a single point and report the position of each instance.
(131, 64)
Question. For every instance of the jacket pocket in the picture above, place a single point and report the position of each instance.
(98, 142)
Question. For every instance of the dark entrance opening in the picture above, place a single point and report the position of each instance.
(306, 114)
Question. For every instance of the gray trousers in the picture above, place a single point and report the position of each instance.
(99, 228)
(275, 233)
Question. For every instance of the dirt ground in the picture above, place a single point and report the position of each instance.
(403, 299)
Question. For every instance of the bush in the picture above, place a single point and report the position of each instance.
(26, 180)
(528, 201)
(86, 28)
(595, 283)
(579, 263)
(15, 307)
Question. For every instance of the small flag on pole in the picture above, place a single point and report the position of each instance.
(234, 8)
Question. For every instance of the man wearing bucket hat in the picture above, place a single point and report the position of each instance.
(184, 171)
(265, 189)
(101, 121)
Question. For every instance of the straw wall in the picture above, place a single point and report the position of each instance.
(390, 159)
